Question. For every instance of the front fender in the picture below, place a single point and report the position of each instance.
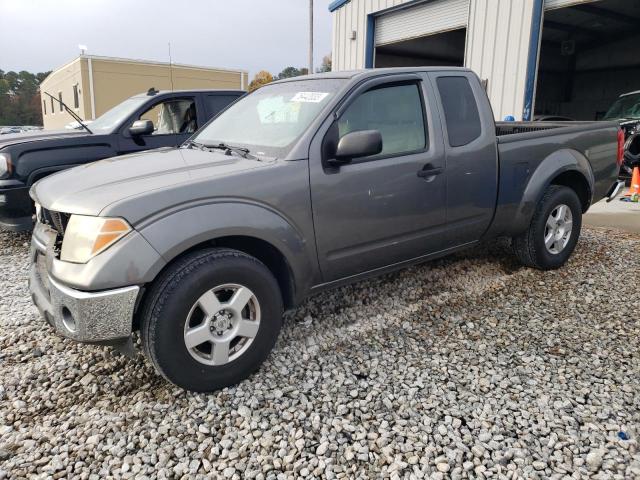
(178, 231)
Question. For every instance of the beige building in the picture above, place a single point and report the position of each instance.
(91, 85)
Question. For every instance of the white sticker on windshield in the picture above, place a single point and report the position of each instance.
(309, 97)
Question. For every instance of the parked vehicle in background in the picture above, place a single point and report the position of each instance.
(18, 129)
(303, 185)
(146, 121)
(626, 111)
(8, 130)
(75, 125)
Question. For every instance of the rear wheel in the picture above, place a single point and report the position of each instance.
(211, 319)
(553, 232)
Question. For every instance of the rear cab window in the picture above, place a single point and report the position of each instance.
(461, 113)
(216, 103)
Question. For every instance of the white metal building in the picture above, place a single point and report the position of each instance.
(545, 57)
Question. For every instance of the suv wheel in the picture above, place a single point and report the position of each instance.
(554, 230)
(211, 319)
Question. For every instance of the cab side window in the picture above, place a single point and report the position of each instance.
(172, 116)
(396, 111)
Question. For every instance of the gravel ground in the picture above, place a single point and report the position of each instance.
(468, 367)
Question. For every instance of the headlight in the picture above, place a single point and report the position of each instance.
(5, 165)
(85, 237)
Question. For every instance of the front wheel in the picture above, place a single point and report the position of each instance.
(211, 319)
(553, 232)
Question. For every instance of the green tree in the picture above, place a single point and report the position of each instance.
(20, 98)
(290, 72)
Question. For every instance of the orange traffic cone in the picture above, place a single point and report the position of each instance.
(635, 183)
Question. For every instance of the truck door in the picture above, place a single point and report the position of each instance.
(384, 209)
(472, 158)
(174, 120)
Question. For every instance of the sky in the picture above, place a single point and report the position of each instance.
(41, 35)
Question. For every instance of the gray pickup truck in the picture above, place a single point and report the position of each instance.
(303, 185)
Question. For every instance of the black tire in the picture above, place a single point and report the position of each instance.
(530, 248)
(173, 294)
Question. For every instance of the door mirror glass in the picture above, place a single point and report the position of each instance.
(363, 143)
(141, 127)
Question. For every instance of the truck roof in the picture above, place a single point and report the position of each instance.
(371, 72)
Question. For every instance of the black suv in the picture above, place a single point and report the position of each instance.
(143, 122)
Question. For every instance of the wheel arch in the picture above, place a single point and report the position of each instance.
(259, 248)
(264, 251)
(566, 167)
(576, 181)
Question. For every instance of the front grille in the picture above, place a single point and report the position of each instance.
(56, 220)
(58, 223)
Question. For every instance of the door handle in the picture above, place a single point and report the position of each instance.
(428, 172)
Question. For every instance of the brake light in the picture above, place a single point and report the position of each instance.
(620, 147)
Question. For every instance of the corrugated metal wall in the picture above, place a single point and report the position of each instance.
(421, 20)
(498, 49)
(497, 40)
(348, 54)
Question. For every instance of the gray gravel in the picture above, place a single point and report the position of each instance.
(469, 367)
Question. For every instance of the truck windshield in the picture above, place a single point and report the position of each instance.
(627, 107)
(271, 119)
(111, 119)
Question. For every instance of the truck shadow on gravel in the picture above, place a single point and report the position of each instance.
(334, 311)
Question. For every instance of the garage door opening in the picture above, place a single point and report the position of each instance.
(588, 58)
(445, 48)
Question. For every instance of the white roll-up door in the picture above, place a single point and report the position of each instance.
(551, 4)
(422, 19)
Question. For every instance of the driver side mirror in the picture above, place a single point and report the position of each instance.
(141, 127)
(356, 145)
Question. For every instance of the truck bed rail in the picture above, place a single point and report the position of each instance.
(512, 128)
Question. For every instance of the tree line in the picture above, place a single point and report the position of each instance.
(263, 77)
(20, 98)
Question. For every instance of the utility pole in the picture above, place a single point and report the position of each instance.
(310, 37)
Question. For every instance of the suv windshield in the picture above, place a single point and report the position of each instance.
(625, 107)
(111, 119)
(271, 119)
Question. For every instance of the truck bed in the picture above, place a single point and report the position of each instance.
(524, 146)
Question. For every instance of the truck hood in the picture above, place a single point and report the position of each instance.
(89, 189)
(38, 135)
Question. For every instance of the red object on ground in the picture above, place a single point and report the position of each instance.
(620, 157)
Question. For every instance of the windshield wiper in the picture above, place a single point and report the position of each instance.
(242, 151)
(69, 111)
(193, 143)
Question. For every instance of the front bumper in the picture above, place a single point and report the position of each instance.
(15, 207)
(92, 317)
